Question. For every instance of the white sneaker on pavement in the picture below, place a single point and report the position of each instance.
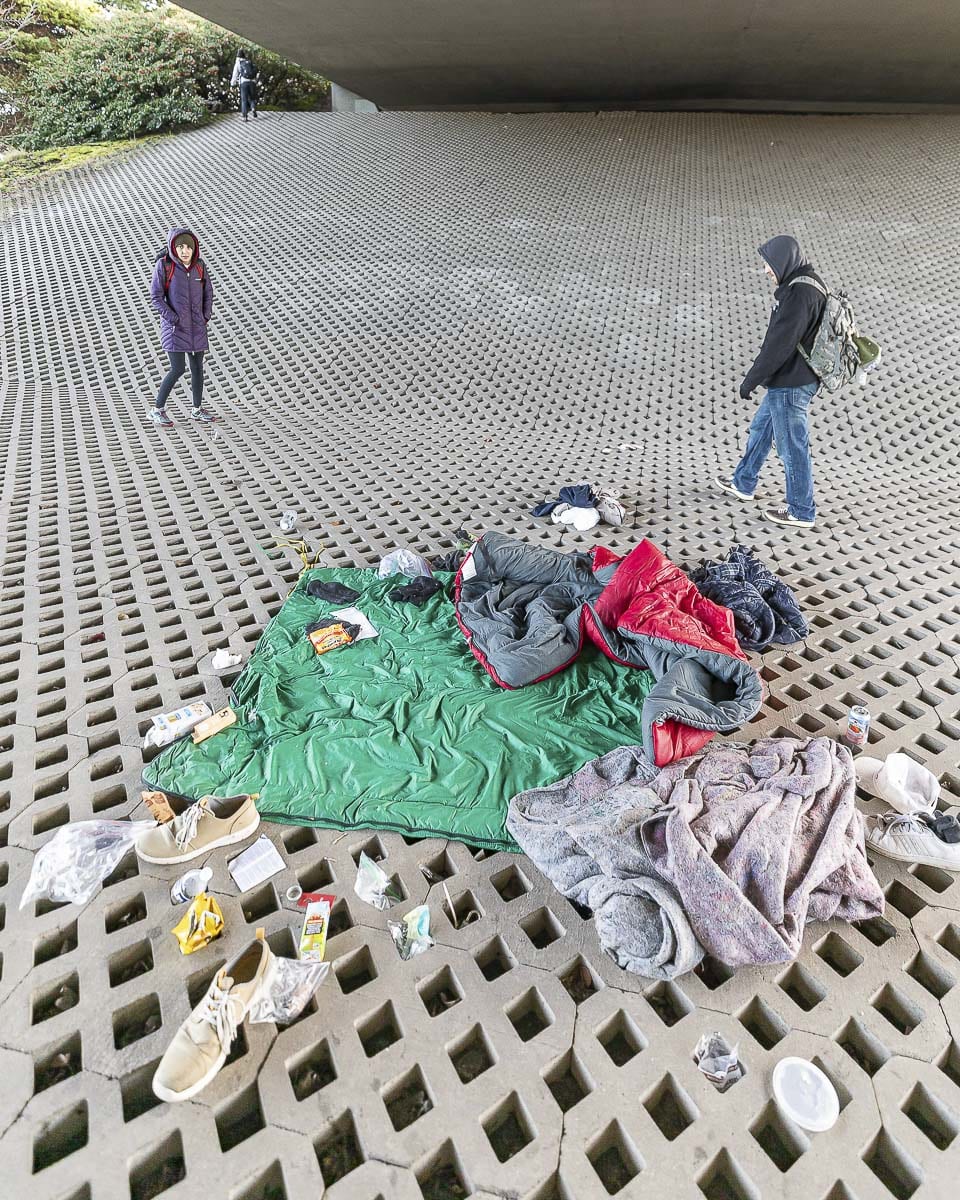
(908, 838)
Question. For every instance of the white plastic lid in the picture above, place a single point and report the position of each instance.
(805, 1094)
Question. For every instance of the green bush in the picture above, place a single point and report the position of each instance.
(128, 76)
(27, 29)
(282, 83)
(134, 73)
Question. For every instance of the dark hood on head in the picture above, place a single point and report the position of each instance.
(172, 237)
(783, 256)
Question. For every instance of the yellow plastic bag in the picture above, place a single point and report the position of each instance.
(201, 923)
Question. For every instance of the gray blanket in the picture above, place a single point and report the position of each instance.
(729, 852)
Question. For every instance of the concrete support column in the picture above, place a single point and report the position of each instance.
(343, 100)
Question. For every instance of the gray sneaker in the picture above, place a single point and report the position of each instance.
(203, 414)
(725, 484)
(783, 516)
(160, 416)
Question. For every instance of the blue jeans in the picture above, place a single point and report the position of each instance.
(782, 415)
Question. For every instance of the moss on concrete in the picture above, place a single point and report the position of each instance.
(18, 167)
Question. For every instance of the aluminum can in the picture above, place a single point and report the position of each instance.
(858, 726)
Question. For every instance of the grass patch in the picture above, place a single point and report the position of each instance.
(24, 166)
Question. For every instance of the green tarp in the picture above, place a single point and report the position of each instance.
(404, 731)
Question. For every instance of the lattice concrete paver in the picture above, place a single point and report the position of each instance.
(425, 322)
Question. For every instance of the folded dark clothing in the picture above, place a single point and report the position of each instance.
(418, 591)
(577, 495)
(448, 562)
(337, 593)
(765, 610)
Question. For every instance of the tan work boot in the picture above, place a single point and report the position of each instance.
(201, 827)
(202, 1043)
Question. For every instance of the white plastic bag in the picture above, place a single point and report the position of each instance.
(70, 868)
(374, 885)
(286, 990)
(223, 659)
(403, 562)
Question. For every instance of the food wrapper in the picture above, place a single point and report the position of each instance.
(718, 1060)
(201, 923)
(316, 922)
(329, 637)
(411, 935)
(158, 806)
(220, 720)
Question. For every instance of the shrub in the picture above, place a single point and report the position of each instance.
(282, 83)
(27, 29)
(134, 73)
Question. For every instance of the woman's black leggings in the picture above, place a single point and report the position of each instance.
(177, 367)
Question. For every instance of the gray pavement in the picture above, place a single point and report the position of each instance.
(423, 322)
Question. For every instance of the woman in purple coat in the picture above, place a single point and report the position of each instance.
(182, 293)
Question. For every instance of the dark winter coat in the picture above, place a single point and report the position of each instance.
(796, 315)
(765, 610)
(186, 305)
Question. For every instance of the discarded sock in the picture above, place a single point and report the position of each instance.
(418, 591)
(944, 825)
(336, 593)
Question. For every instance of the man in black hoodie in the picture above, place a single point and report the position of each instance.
(790, 383)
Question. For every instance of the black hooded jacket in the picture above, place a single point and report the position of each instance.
(796, 316)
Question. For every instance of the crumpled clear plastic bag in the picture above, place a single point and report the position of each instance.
(411, 934)
(286, 990)
(718, 1060)
(374, 885)
(71, 867)
(403, 562)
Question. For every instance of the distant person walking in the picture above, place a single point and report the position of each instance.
(245, 77)
(182, 293)
(790, 383)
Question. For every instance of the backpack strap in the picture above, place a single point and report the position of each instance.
(170, 266)
(814, 283)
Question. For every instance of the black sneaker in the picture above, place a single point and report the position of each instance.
(783, 516)
(725, 484)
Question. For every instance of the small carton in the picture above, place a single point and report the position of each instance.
(220, 720)
(316, 921)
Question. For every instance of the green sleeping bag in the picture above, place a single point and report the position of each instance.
(402, 732)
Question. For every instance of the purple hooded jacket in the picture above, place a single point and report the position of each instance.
(185, 306)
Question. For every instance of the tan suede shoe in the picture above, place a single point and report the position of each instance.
(202, 1043)
(201, 827)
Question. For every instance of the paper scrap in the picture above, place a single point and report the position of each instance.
(258, 862)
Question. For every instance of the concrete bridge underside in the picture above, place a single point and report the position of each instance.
(822, 54)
